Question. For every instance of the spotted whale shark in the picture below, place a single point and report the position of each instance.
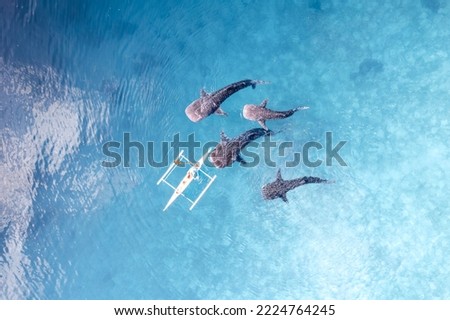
(228, 150)
(209, 103)
(261, 113)
(280, 187)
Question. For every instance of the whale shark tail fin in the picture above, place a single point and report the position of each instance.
(272, 133)
(255, 82)
(315, 180)
(300, 108)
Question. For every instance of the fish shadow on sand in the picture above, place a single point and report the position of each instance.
(367, 68)
(432, 5)
(321, 6)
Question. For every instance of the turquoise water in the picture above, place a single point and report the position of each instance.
(77, 74)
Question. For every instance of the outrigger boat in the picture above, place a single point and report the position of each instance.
(191, 175)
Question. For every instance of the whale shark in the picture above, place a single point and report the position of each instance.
(228, 150)
(279, 187)
(261, 113)
(209, 103)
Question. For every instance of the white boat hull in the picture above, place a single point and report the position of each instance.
(188, 178)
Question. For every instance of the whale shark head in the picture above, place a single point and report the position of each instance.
(272, 191)
(194, 111)
(275, 189)
(251, 112)
(220, 157)
(202, 107)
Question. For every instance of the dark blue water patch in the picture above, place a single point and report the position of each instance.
(122, 28)
(147, 63)
(91, 22)
(368, 67)
(125, 104)
(246, 3)
(315, 4)
(432, 5)
(51, 33)
(320, 6)
(95, 34)
(26, 32)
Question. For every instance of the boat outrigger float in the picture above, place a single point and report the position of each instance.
(191, 175)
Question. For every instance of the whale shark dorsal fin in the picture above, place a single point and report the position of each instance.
(223, 136)
(220, 112)
(264, 103)
(283, 196)
(279, 175)
(262, 123)
(203, 93)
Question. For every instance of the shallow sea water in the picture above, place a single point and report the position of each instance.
(77, 74)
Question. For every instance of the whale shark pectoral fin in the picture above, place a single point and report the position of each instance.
(224, 137)
(220, 112)
(239, 159)
(203, 93)
(262, 123)
(264, 103)
(279, 178)
(284, 197)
